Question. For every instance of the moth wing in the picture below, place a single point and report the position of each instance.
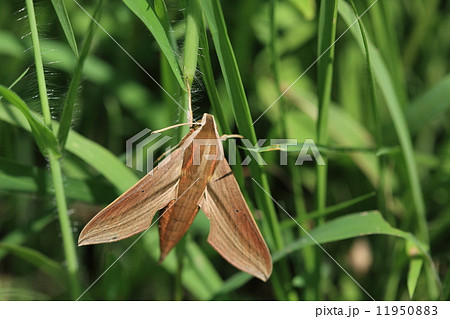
(233, 232)
(133, 211)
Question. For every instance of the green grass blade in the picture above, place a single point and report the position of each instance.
(385, 39)
(203, 267)
(168, 79)
(163, 16)
(55, 165)
(42, 85)
(65, 226)
(206, 69)
(69, 102)
(45, 139)
(325, 52)
(415, 266)
(431, 105)
(144, 11)
(322, 148)
(329, 210)
(90, 152)
(204, 63)
(227, 60)
(446, 287)
(19, 236)
(380, 161)
(29, 179)
(398, 118)
(292, 170)
(349, 226)
(36, 258)
(18, 79)
(63, 17)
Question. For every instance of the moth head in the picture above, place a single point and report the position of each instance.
(207, 118)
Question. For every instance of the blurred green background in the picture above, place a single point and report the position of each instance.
(382, 94)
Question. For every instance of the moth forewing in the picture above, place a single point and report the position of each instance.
(133, 211)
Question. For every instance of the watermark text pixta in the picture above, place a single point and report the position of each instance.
(141, 148)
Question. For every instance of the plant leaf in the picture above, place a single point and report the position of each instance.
(63, 17)
(415, 266)
(45, 139)
(92, 153)
(19, 236)
(144, 11)
(430, 105)
(29, 179)
(18, 79)
(322, 148)
(69, 102)
(393, 103)
(36, 258)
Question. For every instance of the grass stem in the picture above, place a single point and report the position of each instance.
(55, 166)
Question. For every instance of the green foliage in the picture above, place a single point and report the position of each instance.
(144, 10)
(376, 104)
(64, 20)
(44, 137)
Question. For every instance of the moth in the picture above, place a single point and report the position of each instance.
(196, 175)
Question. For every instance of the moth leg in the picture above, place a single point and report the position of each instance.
(227, 136)
(171, 127)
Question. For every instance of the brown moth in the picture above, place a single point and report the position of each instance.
(196, 175)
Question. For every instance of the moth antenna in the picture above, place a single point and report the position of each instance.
(168, 151)
(171, 127)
